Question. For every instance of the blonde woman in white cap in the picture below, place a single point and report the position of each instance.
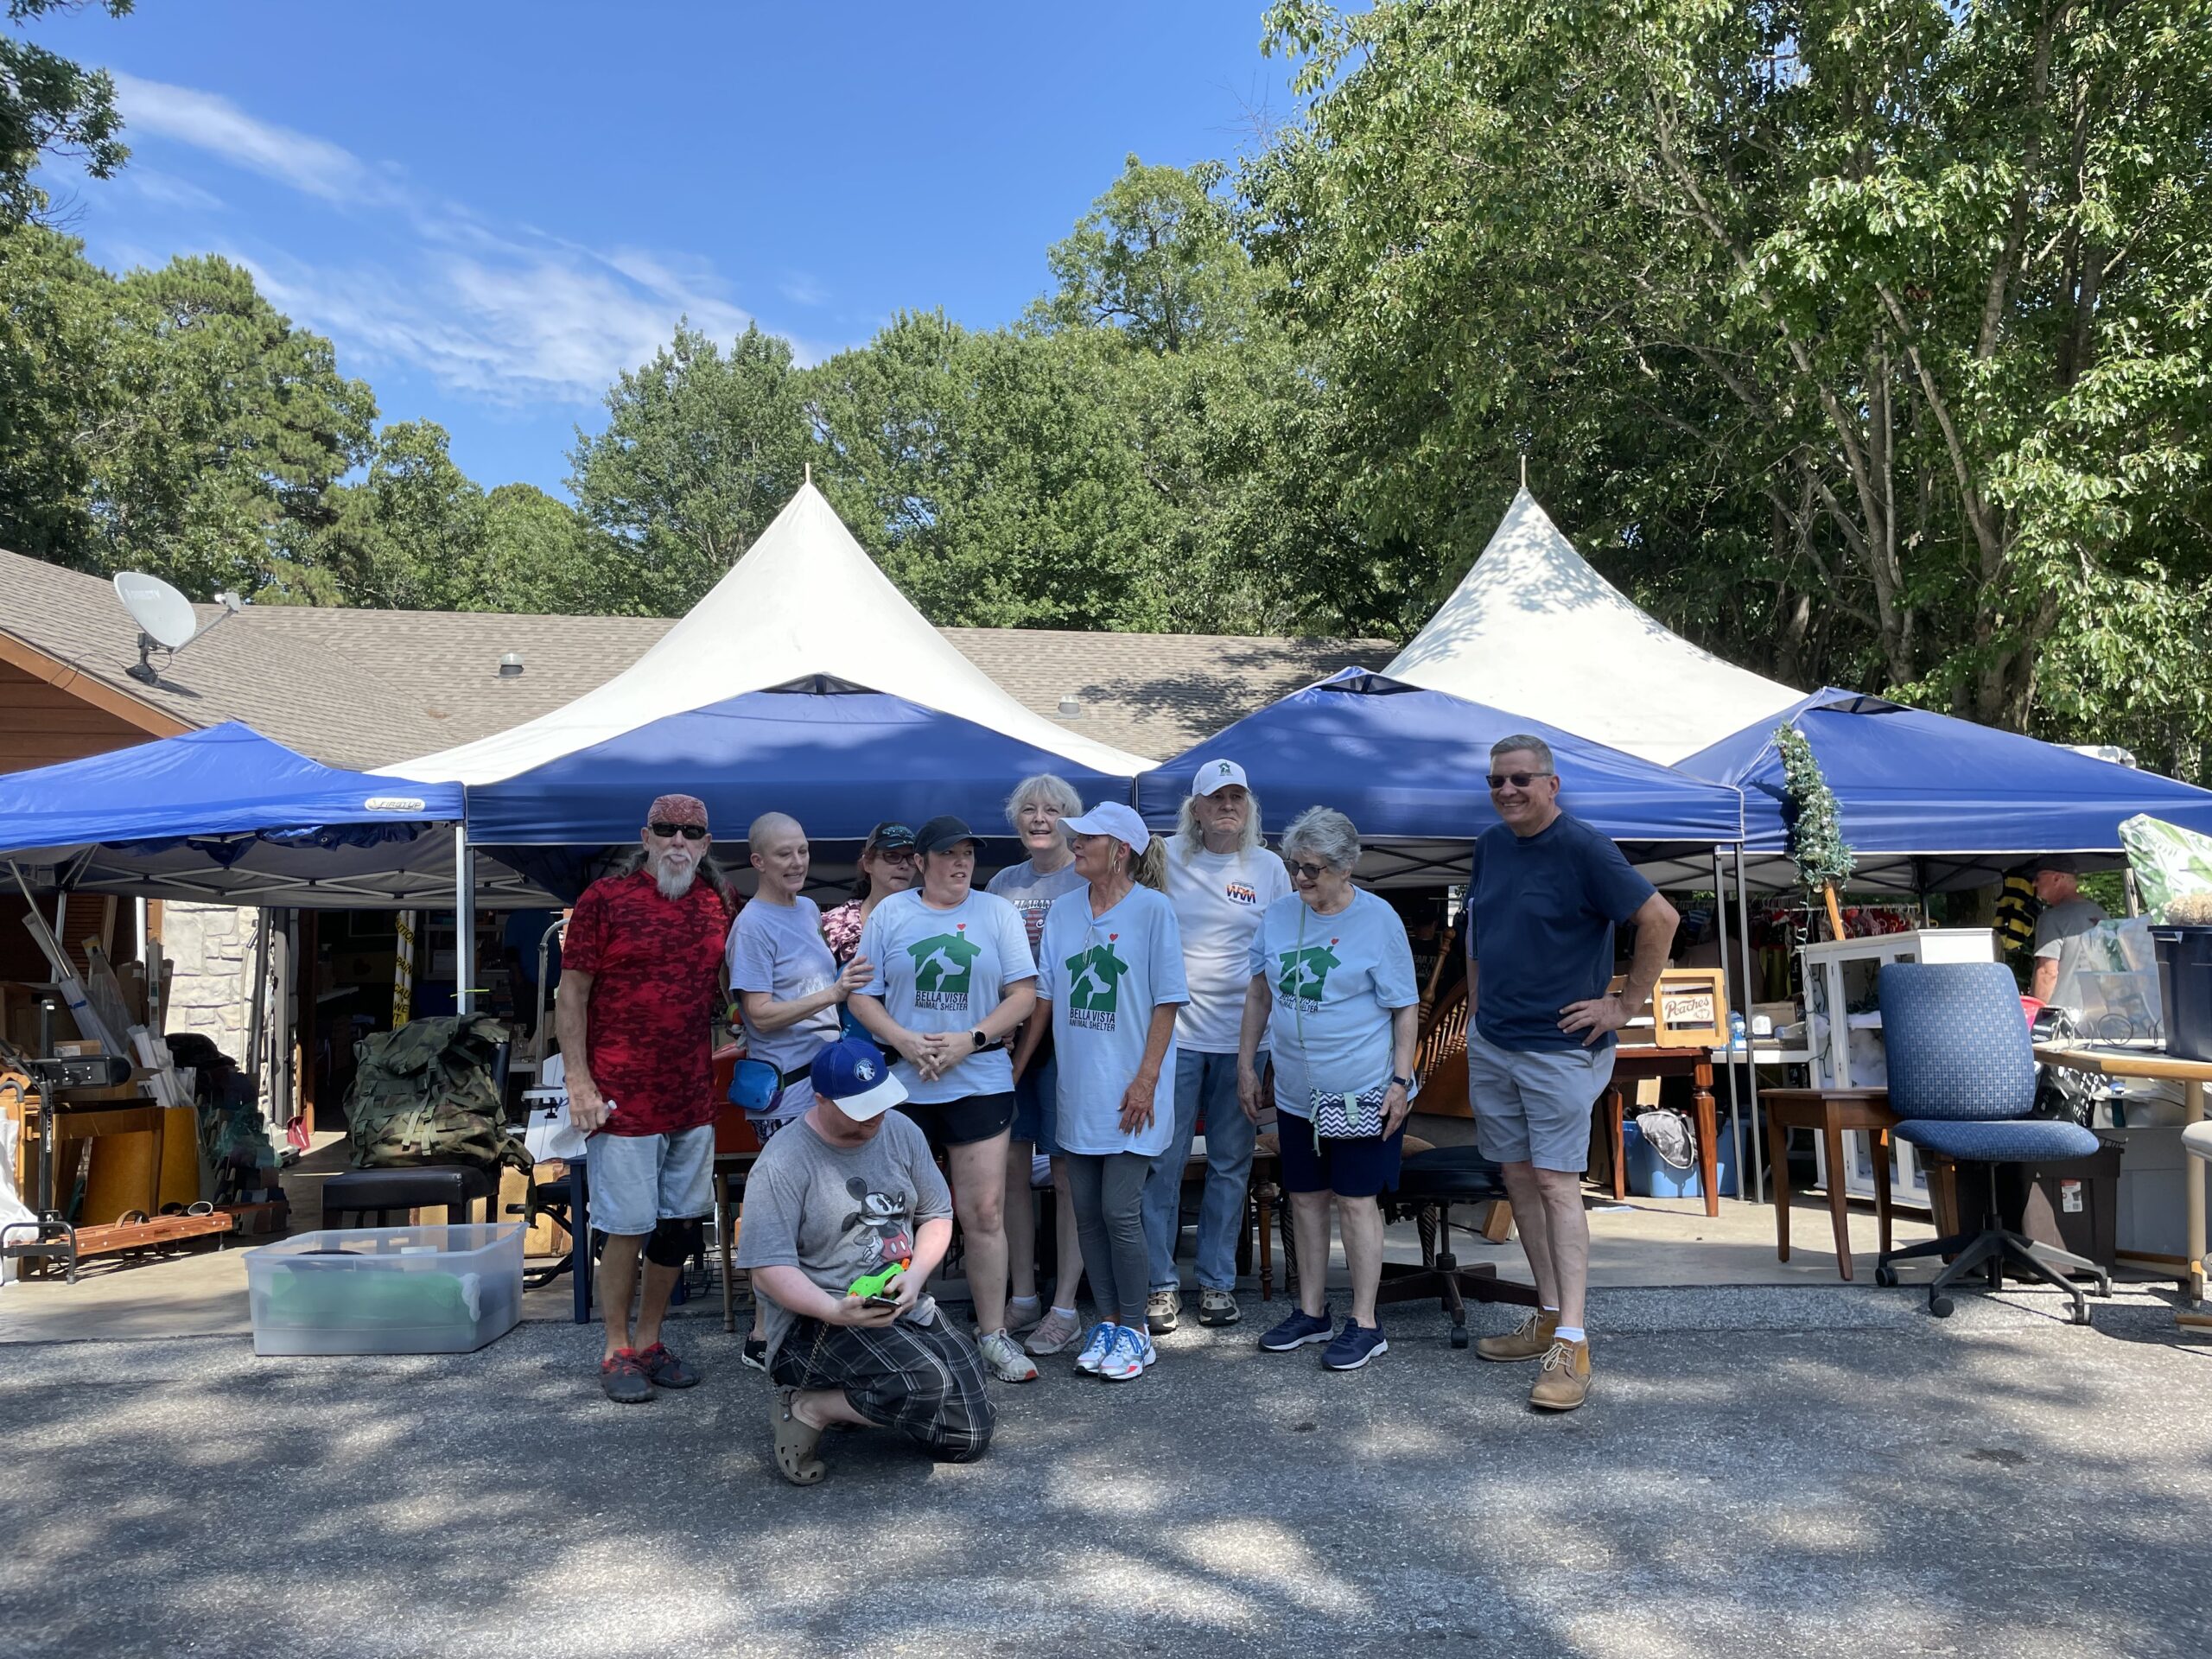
(1110, 984)
(1221, 880)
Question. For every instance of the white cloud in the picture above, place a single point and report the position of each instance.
(503, 313)
(167, 189)
(802, 290)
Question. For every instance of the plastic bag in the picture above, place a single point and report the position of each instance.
(2168, 861)
(2111, 987)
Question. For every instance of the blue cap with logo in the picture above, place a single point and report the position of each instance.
(853, 1072)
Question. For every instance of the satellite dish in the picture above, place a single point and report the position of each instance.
(165, 617)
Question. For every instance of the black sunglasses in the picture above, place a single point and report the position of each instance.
(1518, 780)
(1309, 872)
(669, 831)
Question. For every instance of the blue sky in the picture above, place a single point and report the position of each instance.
(491, 208)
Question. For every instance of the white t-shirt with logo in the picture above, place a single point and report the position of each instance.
(1335, 981)
(945, 971)
(1219, 898)
(778, 949)
(1104, 975)
(1033, 894)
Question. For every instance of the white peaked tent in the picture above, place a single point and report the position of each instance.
(1532, 628)
(805, 601)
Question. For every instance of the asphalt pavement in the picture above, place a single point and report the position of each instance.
(1759, 1471)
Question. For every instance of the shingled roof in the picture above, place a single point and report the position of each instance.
(364, 687)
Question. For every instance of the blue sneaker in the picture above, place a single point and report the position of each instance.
(1353, 1347)
(1297, 1330)
(1101, 1344)
(1131, 1354)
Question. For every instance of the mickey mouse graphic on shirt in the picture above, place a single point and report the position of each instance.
(880, 1221)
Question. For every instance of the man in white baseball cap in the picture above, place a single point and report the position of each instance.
(846, 1217)
(1220, 879)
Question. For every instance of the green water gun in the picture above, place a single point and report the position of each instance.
(879, 1284)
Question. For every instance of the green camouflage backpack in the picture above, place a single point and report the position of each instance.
(424, 1095)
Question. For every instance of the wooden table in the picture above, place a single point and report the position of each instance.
(2111, 1061)
(1833, 1113)
(1633, 1064)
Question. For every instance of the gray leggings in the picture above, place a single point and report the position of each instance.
(1109, 1196)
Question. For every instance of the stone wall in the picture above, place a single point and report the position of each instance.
(210, 990)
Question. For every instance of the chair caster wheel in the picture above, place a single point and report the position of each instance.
(1459, 1335)
(1940, 1306)
(1886, 1278)
(2081, 1315)
(2104, 1288)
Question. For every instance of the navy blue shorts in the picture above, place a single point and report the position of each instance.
(1351, 1169)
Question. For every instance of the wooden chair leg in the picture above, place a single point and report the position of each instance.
(1497, 1225)
(1777, 1165)
(1263, 1200)
(721, 1243)
(1615, 1105)
(1839, 1198)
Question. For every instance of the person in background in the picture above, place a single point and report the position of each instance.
(1544, 893)
(887, 866)
(1035, 809)
(641, 969)
(788, 989)
(1220, 879)
(1331, 978)
(849, 1192)
(2067, 916)
(953, 980)
(1110, 983)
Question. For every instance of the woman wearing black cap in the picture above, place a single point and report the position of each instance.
(953, 980)
(887, 866)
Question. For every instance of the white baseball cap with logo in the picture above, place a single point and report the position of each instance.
(1111, 819)
(1218, 774)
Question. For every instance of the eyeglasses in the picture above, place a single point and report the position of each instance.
(1518, 780)
(1309, 872)
(669, 831)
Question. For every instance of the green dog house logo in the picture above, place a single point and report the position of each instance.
(1306, 972)
(1095, 985)
(943, 965)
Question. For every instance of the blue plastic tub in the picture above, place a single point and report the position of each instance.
(1650, 1176)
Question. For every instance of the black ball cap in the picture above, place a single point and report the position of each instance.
(939, 834)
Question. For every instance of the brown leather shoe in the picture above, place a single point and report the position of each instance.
(1565, 1381)
(1528, 1342)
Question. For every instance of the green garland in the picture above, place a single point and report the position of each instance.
(1816, 843)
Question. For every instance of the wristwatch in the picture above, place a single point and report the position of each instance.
(981, 1040)
(1402, 1082)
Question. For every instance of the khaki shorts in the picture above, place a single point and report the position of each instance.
(1532, 1106)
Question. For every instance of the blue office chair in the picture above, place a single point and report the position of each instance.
(1962, 1078)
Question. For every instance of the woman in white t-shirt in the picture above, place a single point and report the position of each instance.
(953, 980)
(1110, 983)
(1221, 880)
(1035, 810)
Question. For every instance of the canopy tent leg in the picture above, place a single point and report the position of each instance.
(464, 923)
(1751, 1070)
(1735, 1121)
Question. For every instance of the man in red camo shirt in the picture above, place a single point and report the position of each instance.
(639, 987)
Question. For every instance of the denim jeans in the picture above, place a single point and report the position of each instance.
(1207, 1081)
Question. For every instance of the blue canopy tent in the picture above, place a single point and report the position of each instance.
(1406, 764)
(1929, 803)
(226, 816)
(838, 757)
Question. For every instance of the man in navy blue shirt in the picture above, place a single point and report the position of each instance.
(1544, 893)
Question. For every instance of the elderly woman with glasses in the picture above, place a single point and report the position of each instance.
(1333, 992)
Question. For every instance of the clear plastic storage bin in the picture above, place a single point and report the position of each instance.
(386, 1290)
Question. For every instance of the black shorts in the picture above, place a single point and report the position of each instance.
(1351, 1169)
(962, 1122)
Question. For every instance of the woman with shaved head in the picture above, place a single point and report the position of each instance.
(787, 987)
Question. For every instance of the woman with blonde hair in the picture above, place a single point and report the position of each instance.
(1035, 811)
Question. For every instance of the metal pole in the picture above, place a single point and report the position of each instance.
(1735, 1124)
(464, 922)
(1750, 1072)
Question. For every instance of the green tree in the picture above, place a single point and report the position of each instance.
(702, 448)
(1880, 328)
(411, 534)
(55, 310)
(51, 107)
(540, 557)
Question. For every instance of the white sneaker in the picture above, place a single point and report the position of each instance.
(1096, 1350)
(1163, 1309)
(1007, 1363)
(1131, 1355)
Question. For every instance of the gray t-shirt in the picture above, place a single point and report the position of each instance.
(836, 1213)
(2059, 930)
(1031, 894)
(778, 949)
